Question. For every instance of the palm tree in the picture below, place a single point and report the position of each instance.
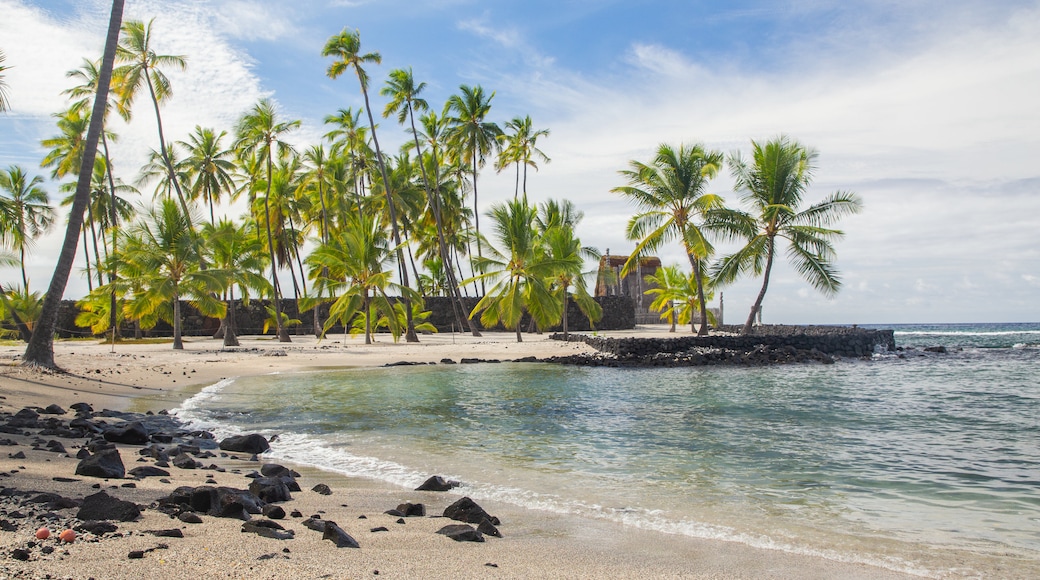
(208, 167)
(358, 259)
(405, 101)
(522, 271)
(40, 351)
(345, 48)
(166, 260)
(670, 192)
(89, 73)
(142, 67)
(237, 256)
(66, 149)
(555, 222)
(675, 296)
(522, 149)
(260, 135)
(4, 103)
(566, 251)
(25, 212)
(472, 138)
(773, 186)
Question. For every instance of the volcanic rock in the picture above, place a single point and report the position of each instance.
(106, 464)
(252, 443)
(101, 506)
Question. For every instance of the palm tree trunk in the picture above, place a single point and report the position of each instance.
(761, 293)
(700, 297)
(368, 320)
(409, 335)
(93, 238)
(25, 279)
(178, 344)
(86, 257)
(566, 303)
(281, 331)
(113, 319)
(230, 338)
(162, 147)
(519, 338)
(476, 217)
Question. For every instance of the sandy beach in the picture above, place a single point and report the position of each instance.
(153, 377)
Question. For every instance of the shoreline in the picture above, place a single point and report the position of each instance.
(153, 377)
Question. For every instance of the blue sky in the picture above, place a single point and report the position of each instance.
(926, 109)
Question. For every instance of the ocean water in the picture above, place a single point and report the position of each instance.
(927, 463)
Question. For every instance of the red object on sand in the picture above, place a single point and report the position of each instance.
(43, 534)
(67, 536)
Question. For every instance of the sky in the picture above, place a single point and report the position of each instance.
(927, 110)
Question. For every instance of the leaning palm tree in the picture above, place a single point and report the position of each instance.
(25, 212)
(773, 185)
(260, 135)
(471, 136)
(345, 49)
(522, 272)
(89, 73)
(40, 351)
(521, 149)
(670, 192)
(142, 67)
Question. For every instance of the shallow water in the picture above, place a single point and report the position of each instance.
(927, 464)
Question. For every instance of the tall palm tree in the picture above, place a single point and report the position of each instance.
(522, 271)
(88, 75)
(208, 167)
(472, 137)
(4, 103)
(166, 259)
(670, 192)
(142, 67)
(521, 149)
(405, 101)
(345, 49)
(259, 134)
(40, 351)
(773, 186)
(25, 212)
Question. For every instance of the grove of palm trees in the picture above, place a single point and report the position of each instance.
(361, 235)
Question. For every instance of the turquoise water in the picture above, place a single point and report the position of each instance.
(910, 462)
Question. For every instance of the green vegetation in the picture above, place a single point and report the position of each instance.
(353, 226)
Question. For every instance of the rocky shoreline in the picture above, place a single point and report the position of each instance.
(49, 523)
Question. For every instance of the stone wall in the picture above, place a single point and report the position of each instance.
(831, 340)
(618, 314)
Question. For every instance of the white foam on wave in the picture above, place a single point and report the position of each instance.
(963, 332)
(315, 452)
(193, 414)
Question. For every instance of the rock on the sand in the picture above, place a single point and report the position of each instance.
(338, 536)
(130, 434)
(467, 510)
(101, 506)
(106, 464)
(461, 533)
(252, 443)
(437, 483)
